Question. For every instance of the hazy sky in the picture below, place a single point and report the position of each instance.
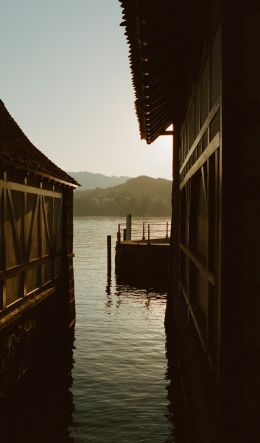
(65, 78)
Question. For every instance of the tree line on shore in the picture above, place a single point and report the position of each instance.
(140, 196)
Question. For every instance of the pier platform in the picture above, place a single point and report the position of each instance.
(143, 263)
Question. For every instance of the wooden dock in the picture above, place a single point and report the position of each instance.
(143, 262)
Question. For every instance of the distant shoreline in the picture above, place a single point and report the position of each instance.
(141, 196)
(122, 216)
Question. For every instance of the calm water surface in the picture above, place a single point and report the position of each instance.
(119, 376)
(114, 383)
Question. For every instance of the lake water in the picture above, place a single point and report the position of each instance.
(119, 384)
(116, 384)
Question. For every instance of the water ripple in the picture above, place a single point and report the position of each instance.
(119, 383)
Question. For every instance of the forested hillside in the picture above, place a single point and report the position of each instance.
(141, 196)
(91, 180)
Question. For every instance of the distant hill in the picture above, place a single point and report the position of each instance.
(90, 180)
(141, 196)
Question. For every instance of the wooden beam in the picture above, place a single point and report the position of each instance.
(12, 186)
(206, 124)
(41, 174)
(199, 262)
(167, 133)
(57, 226)
(34, 217)
(12, 272)
(211, 148)
(16, 236)
(49, 235)
(194, 316)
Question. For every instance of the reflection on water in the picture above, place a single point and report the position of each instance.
(120, 381)
(119, 386)
(177, 407)
(40, 409)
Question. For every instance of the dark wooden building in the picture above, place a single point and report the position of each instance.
(196, 65)
(36, 242)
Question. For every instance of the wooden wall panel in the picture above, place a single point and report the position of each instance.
(215, 72)
(30, 238)
(205, 92)
(58, 224)
(46, 275)
(14, 228)
(46, 225)
(32, 280)
(14, 289)
(200, 201)
(32, 215)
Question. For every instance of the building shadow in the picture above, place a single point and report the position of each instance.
(39, 408)
(178, 415)
(179, 424)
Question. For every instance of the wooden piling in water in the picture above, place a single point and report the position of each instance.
(143, 231)
(128, 227)
(148, 240)
(109, 254)
(119, 234)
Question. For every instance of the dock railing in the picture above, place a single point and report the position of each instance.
(144, 231)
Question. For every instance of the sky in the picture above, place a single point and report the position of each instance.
(65, 79)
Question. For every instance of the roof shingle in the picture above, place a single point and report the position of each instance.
(17, 150)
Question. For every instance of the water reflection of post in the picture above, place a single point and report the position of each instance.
(141, 292)
(109, 281)
(109, 254)
(109, 300)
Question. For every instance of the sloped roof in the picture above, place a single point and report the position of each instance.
(165, 40)
(148, 30)
(17, 150)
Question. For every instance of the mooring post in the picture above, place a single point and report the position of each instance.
(143, 231)
(148, 240)
(124, 234)
(119, 234)
(109, 254)
(167, 227)
(128, 227)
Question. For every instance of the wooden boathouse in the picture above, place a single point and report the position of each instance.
(196, 65)
(36, 260)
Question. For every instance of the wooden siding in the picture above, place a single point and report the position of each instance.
(200, 175)
(31, 238)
